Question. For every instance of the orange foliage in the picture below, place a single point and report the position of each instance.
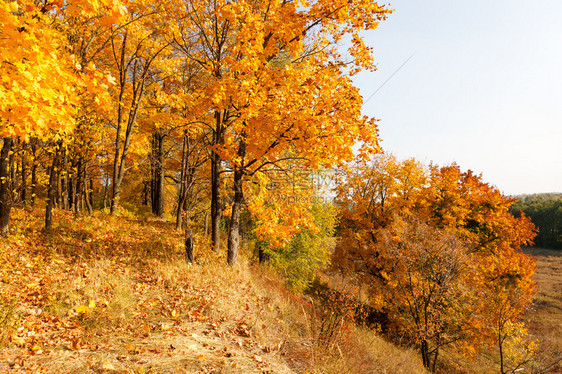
(40, 85)
(493, 285)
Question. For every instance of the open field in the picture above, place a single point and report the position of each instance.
(545, 316)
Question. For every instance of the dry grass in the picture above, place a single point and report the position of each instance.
(351, 349)
(545, 316)
(114, 294)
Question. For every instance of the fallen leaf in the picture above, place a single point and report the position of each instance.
(37, 350)
(106, 365)
(17, 340)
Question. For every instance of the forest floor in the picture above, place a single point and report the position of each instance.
(113, 294)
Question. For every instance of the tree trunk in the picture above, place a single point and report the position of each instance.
(136, 79)
(146, 193)
(206, 223)
(158, 175)
(182, 195)
(88, 197)
(179, 212)
(120, 109)
(119, 164)
(188, 242)
(83, 198)
(5, 201)
(79, 186)
(105, 192)
(115, 185)
(262, 256)
(215, 184)
(13, 171)
(23, 186)
(500, 347)
(152, 175)
(91, 194)
(160, 207)
(71, 189)
(424, 353)
(188, 245)
(65, 182)
(33, 170)
(51, 192)
(234, 231)
(434, 365)
(59, 202)
(215, 204)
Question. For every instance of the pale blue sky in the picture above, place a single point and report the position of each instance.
(483, 89)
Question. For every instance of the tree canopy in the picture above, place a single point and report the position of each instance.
(439, 249)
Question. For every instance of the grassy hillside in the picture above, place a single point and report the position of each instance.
(108, 294)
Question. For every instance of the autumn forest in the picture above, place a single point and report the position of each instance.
(191, 186)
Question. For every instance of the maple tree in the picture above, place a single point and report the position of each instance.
(40, 72)
(5, 204)
(176, 134)
(135, 48)
(494, 281)
(507, 294)
(424, 283)
(370, 195)
(274, 80)
(191, 183)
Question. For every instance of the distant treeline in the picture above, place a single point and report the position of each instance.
(546, 212)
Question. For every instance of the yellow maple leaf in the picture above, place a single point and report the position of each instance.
(17, 340)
